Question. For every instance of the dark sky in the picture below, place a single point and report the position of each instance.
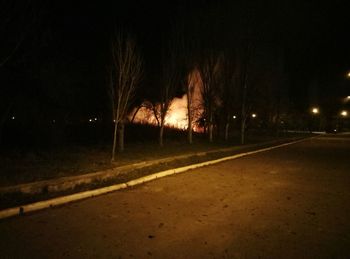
(317, 46)
(313, 33)
(75, 36)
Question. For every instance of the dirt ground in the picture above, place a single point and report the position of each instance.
(292, 202)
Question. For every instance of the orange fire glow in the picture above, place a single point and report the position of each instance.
(176, 116)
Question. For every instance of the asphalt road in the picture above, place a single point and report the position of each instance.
(291, 202)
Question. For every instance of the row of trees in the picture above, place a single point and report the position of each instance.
(235, 81)
(237, 69)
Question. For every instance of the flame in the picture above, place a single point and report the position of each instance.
(176, 116)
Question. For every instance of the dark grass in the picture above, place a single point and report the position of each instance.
(41, 162)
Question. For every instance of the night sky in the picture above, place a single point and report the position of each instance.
(63, 55)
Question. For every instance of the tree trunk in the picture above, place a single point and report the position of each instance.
(243, 131)
(189, 128)
(134, 115)
(227, 127)
(161, 133)
(121, 137)
(211, 132)
(189, 115)
(243, 114)
(211, 126)
(114, 140)
(189, 133)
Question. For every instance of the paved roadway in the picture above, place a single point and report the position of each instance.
(291, 202)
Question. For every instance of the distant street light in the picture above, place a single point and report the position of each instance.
(348, 74)
(234, 116)
(253, 115)
(315, 110)
(344, 113)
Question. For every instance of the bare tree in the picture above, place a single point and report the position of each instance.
(244, 76)
(229, 94)
(191, 81)
(168, 92)
(209, 72)
(125, 75)
(268, 84)
(188, 45)
(171, 79)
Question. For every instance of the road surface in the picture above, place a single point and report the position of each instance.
(291, 202)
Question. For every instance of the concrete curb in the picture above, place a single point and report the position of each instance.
(20, 210)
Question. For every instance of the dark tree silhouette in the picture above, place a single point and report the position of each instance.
(209, 69)
(125, 75)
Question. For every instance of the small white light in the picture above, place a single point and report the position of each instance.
(344, 113)
(253, 115)
(234, 116)
(90, 120)
(13, 117)
(315, 110)
(95, 119)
